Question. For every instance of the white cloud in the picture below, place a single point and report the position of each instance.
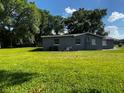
(65, 15)
(121, 36)
(69, 10)
(113, 31)
(116, 16)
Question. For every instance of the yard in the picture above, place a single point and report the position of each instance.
(23, 70)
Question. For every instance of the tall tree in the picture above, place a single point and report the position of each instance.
(86, 21)
(46, 22)
(45, 25)
(29, 24)
(17, 15)
(58, 24)
(49, 23)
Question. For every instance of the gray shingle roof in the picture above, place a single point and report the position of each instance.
(109, 38)
(70, 35)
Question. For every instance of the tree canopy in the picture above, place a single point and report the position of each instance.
(20, 18)
(86, 21)
(22, 22)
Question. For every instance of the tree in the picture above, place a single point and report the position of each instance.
(58, 24)
(4, 38)
(49, 23)
(45, 25)
(29, 24)
(86, 21)
(45, 22)
(20, 18)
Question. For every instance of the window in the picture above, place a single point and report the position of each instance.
(104, 43)
(78, 42)
(93, 42)
(56, 41)
(88, 39)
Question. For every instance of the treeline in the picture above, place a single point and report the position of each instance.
(22, 23)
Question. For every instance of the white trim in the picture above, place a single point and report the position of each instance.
(78, 41)
(104, 43)
(78, 44)
(56, 44)
(93, 41)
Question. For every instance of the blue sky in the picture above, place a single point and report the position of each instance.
(114, 21)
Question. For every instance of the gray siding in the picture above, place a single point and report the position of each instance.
(69, 42)
(88, 41)
(80, 46)
(109, 44)
(88, 44)
(65, 42)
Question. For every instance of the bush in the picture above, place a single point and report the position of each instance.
(120, 45)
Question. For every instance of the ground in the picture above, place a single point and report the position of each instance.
(26, 70)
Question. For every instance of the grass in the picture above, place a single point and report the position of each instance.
(23, 70)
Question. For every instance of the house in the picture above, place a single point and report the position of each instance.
(83, 41)
(121, 41)
(108, 43)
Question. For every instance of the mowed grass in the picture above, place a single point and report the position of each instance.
(25, 71)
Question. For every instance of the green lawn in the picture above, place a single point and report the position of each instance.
(26, 71)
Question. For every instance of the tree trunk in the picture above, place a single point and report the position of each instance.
(11, 37)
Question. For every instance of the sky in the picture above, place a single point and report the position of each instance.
(114, 21)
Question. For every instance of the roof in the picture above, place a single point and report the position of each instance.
(108, 38)
(70, 35)
(122, 40)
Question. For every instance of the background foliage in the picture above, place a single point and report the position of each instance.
(22, 23)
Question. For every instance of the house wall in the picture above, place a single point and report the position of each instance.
(69, 42)
(80, 46)
(110, 44)
(65, 43)
(88, 43)
(121, 41)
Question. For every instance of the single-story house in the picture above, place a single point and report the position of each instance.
(83, 41)
(108, 43)
(121, 41)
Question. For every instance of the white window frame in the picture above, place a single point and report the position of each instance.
(88, 39)
(79, 41)
(93, 41)
(58, 41)
(104, 43)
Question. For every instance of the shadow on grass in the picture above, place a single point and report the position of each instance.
(8, 79)
(36, 50)
(42, 50)
(94, 91)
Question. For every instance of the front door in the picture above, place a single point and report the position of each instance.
(87, 43)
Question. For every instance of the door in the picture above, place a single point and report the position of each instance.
(87, 43)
